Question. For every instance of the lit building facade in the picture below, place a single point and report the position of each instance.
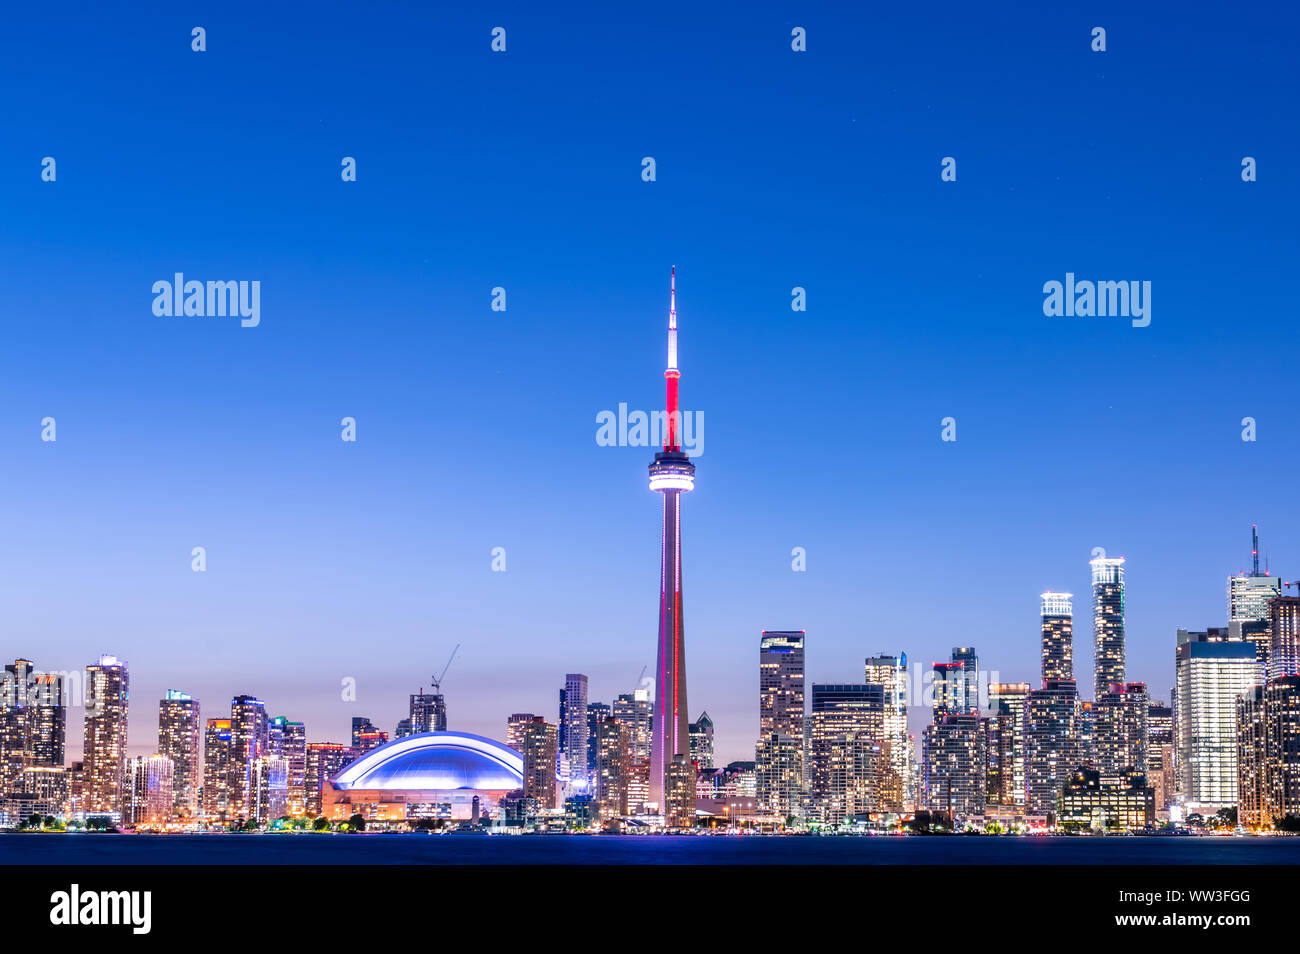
(149, 799)
(1007, 699)
(179, 731)
(249, 741)
(1284, 637)
(540, 742)
(573, 732)
(1091, 800)
(1057, 636)
(955, 760)
(107, 689)
(1107, 623)
(324, 761)
(1121, 732)
(702, 741)
(845, 749)
(288, 740)
(779, 753)
(611, 769)
(217, 750)
(1212, 672)
(1052, 744)
(890, 672)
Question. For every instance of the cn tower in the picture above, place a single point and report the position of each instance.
(671, 474)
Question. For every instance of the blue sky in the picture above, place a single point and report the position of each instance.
(476, 428)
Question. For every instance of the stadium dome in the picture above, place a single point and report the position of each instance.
(435, 761)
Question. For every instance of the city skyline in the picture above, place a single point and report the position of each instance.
(919, 713)
(369, 560)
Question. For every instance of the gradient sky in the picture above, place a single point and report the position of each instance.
(371, 560)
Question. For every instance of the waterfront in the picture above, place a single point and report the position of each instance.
(314, 849)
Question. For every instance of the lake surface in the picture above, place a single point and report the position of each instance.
(333, 849)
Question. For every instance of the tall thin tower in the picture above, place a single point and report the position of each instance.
(671, 474)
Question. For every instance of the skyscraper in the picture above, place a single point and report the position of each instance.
(428, 712)
(1284, 637)
(539, 752)
(845, 743)
(1212, 671)
(597, 712)
(610, 769)
(104, 752)
(1052, 744)
(702, 741)
(1058, 636)
(324, 761)
(249, 741)
(216, 771)
(515, 725)
(288, 740)
(890, 672)
(573, 729)
(1249, 594)
(1007, 699)
(1107, 623)
(178, 740)
(148, 797)
(780, 683)
(778, 755)
(955, 761)
(671, 474)
(1121, 733)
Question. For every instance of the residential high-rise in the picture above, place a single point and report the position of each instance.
(1052, 744)
(107, 691)
(845, 748)
(1107, 623)
(948, 689)
(540, 740)
(1284, 637)
(324, 761)
(1252, 760)
(1121, 734)
(365, 736)
(288, 740)
(1282, 748)
(515, 726)
(610, 769)
(780, 683)
(1007, 700)
(779, 753)
(632, 710)
(1058, 636)
(573, 730)
(216, 771)
(702, 741)
(1212, 672)
(967, 698)
(597, 712)
(1160, 753)
(269, 794)
(249, 741)
(1268, 753)
(890, 672)
(179, 740)
(148, 794)
(955, 763)
(33, 722)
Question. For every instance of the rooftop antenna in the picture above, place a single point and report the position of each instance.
(437, 680)
(1254, 549)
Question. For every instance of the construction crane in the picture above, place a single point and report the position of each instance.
(437, 680)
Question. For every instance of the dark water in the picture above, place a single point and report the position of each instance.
(317, 849)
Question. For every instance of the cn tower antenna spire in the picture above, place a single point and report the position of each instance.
(1254, 549)
(671, 375)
